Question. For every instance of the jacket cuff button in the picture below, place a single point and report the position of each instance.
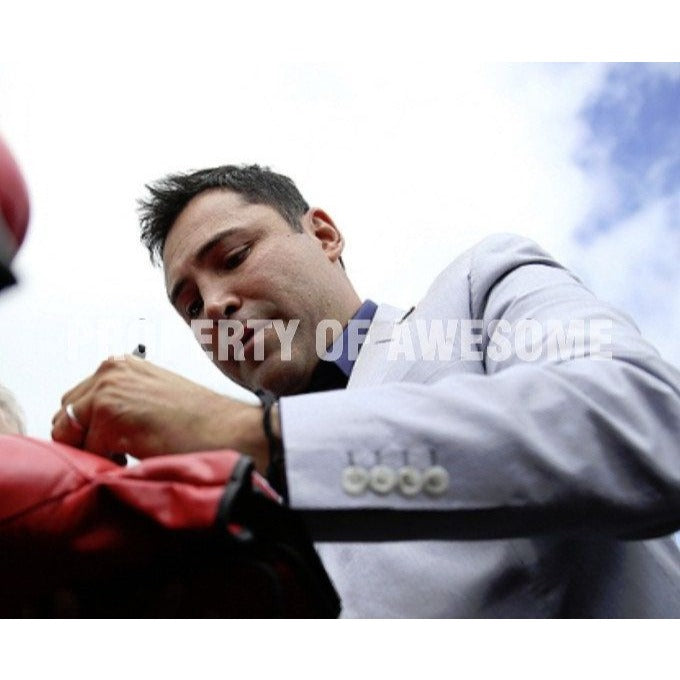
(435, 480)
(354, 480)
(382, 479)
(410, 480)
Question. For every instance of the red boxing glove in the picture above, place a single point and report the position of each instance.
(196, 534)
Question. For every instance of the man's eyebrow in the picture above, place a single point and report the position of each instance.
(202, 252)
(207, 247)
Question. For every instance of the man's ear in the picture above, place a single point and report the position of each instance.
(324, 230)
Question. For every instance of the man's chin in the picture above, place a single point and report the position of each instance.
(278, 387)
(264, 377)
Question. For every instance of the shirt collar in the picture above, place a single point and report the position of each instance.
(345, 349)
(332, 372)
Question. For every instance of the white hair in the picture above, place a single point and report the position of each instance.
(11, 416)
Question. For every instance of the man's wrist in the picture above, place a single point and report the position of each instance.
(248, 433)
(271, 425)
(246, 436)
(276, 422)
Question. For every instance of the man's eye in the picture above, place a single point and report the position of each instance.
(235, 259)
(193, 309)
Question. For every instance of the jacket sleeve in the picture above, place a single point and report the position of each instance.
(565, 439)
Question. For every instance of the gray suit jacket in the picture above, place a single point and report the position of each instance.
(558, 463)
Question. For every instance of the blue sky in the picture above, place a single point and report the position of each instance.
(629, 239)
(634, 138)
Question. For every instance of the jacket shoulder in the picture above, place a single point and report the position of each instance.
(484, 265)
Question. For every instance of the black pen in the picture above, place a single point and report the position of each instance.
(123, 459)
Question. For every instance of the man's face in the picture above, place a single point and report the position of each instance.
(228, 259)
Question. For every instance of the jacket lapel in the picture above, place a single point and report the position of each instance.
(372, 364)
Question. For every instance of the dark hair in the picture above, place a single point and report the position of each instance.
(256, 184)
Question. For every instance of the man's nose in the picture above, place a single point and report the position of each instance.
(220, 304)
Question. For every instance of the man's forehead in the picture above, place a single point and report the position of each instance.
(212, 212)
(204, 216)
(212, 209)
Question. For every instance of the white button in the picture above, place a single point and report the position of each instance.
(410, 480)
(383, 479)
(354, 480)
(435, 480)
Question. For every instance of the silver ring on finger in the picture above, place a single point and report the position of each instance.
(73, 419)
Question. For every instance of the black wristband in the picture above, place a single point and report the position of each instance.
(276, 474)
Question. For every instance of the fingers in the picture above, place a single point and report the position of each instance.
(77, 425)
(73, 418)
(79, 390)
(89, 383)
(71, 428)
(107, 442)
(129, 405)
(96, 414)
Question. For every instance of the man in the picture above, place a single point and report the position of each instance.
(481, 479)
(198, 535)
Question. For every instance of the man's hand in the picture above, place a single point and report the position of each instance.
(132, 406)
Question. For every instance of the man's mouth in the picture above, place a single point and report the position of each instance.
(253, 329)
(248, 334)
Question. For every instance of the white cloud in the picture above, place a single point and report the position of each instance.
(629, 241)
(635, 266)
